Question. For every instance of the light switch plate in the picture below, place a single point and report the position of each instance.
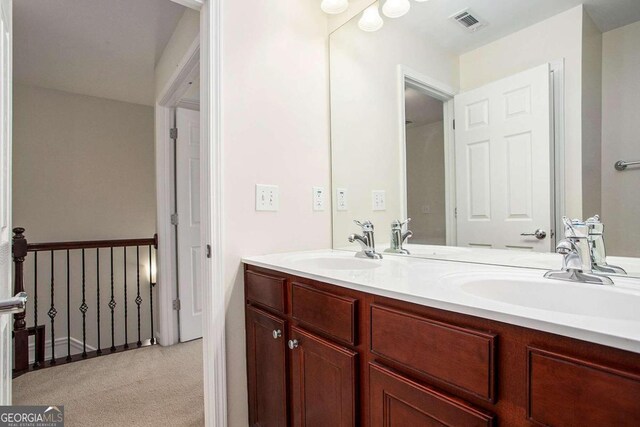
(318, 199)
(379, 200)
(267, 198)
(341, 199)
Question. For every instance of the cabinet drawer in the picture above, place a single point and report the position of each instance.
(332, 314)
(266, 290)
(565, 391)
(399, 402)
(461, 357)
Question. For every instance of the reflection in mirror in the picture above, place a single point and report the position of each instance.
(487, 138)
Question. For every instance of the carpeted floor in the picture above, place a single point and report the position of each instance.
(152, 386)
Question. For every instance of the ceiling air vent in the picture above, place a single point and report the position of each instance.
(468, 20)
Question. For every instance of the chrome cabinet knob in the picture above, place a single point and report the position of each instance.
(293, 344)
(539, 234)
(277, 333)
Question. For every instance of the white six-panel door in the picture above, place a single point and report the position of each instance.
(6, 287)
(503, 163)
(188, 200)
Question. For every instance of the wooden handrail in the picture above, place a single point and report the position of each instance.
(92, 244)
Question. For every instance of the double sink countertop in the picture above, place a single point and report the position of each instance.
(607, 315)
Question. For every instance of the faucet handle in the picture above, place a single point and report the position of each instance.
(398, 224)
(366, 226)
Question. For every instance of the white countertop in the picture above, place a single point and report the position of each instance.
(608, 315)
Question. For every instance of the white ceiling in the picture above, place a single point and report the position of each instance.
(103, 48)
(504, 17)
(421, 109)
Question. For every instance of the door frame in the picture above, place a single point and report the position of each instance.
(212, 271)
(444, 93)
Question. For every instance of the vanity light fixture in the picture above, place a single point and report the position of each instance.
(334, 7)
(371, 19)
(396, 8)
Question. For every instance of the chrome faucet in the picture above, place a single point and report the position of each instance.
(577, 265)
(366, 241)
(398, 237)
(598, 251)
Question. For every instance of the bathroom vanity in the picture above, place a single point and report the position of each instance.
(337, 341)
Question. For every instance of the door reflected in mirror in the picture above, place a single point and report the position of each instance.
(485, 139)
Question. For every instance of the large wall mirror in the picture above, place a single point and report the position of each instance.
(487, 123)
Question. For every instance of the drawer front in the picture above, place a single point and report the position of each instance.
(396, 401)
(565, 391)
(461, 357)
(266, 290)
(332, 314)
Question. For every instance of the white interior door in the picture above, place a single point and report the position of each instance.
(6, 288)
(503, 163)
(188, 201)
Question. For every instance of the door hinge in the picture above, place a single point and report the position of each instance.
(173, 133)
(176, 304)
(208, 251)
(174, 219)
(454, 124)
(455, 213)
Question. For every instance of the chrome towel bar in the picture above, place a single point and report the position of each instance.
(622, 165)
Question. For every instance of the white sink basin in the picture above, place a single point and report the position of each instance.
(532, 290)
(336, 263)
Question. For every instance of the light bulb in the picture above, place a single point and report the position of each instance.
(333, 7)
(396, 8)
(371, 19)
(421, 1)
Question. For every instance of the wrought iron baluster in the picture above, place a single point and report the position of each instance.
(83, 310)
(68, 311)
(151, 285)
(126, 321)
(52, 312)
(99, 350)
(112, 306)
(138, 298)
(36, 362)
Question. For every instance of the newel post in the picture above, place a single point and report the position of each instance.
(20, 332)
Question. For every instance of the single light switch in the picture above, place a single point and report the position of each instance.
(341, 199)
(267, 198)
(318, 199)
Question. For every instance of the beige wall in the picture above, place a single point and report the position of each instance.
(183, 36)
(620, 130)
(83, 169)
(275, 131)
(366, 129)
(591, 117)
(555, 38)
(426, 184)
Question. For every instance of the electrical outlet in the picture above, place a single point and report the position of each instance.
(426, 209)
(379, 200)
(341, 199)
(318, 199)
(267, 198)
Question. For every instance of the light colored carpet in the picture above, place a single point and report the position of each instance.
(151, 386)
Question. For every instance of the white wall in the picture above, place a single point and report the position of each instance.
(366, 131)
(620, 130)
(183, 36)
(426, 184)
(591, 117)
(555, 38)
(275, 131)
(83, 169)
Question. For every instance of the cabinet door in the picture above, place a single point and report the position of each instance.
(266, 369)
(323, 381)
(396, 401)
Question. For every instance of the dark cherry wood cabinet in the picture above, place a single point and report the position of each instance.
(323, 355)
(323, 382)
